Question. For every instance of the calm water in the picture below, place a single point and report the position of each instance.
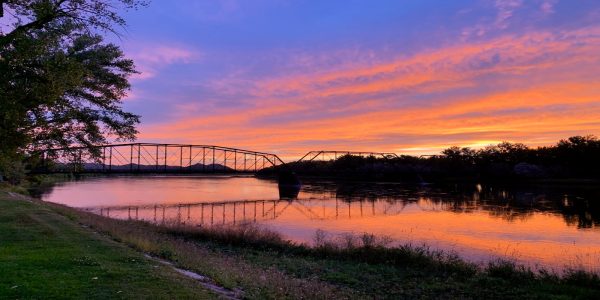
(551, 227)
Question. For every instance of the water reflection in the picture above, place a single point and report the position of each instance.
(579, 206)
(232, 212)
(550, 226)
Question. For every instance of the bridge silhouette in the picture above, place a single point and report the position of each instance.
(171, 158)
(155, 158)
(324, 155)
(235, 212)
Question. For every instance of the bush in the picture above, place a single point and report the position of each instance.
(12, 170)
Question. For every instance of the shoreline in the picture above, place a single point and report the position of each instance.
(558, 263)
(240, 258)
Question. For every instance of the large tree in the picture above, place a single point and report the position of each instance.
(60, 83)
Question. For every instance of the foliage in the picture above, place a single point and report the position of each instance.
(54, 15)
(60, 83)
(575, 157)
(12, 169)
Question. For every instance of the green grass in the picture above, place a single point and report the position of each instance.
(46, 255)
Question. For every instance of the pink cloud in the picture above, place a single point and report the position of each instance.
(547, 6)
(164, 55)
(454, 66)
(149, 59)
(545, 87)
(506, 10)
(130, 96)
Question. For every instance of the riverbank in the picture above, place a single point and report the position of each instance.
(44, 254)
(259, 263)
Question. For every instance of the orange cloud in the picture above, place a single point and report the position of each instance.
(535, 88)
(515, 55)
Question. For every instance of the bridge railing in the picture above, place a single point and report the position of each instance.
(151, 157)
(324, 155)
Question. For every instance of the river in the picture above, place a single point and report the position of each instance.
(552, 227)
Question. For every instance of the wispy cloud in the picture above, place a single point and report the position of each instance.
(547, 6)
(454, 66)
(506, 9)
(538, 86)
(150, 59)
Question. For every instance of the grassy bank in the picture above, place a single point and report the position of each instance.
(263, 265)
(34, 183)
(46, 255)
(361, 265)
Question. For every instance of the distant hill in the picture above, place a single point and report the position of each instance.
(145, 168)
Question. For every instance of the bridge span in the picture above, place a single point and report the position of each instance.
(324, 155)
(155, 158)
(173, 158)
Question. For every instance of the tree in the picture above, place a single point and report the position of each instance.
(504, 152)
(53, 15)
(60, 83)
(458, 154)
(580, 155)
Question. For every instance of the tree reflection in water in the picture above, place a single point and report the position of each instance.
(579, 206)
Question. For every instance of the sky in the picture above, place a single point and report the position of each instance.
(405, 76)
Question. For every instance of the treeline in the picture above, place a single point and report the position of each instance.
(575, 157)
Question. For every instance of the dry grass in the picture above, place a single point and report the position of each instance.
(346, 241)
(241, 234)
(364, 248)
(173, 243)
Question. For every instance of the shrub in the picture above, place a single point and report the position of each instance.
(11, 170)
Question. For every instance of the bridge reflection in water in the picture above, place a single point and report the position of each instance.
(235, 212)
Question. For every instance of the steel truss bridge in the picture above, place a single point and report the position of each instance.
(155, 158)
(324, 155)
(235, 212)
(173, 158)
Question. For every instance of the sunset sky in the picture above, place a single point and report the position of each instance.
(412, 77)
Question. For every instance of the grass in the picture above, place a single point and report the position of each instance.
(264, 265)
(364, 264)
(34, 183)
(46, 255)
(222, 264)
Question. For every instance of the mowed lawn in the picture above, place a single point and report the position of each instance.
(45, 255)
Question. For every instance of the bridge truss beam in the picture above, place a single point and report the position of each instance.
(324, 155)
(155, 158)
